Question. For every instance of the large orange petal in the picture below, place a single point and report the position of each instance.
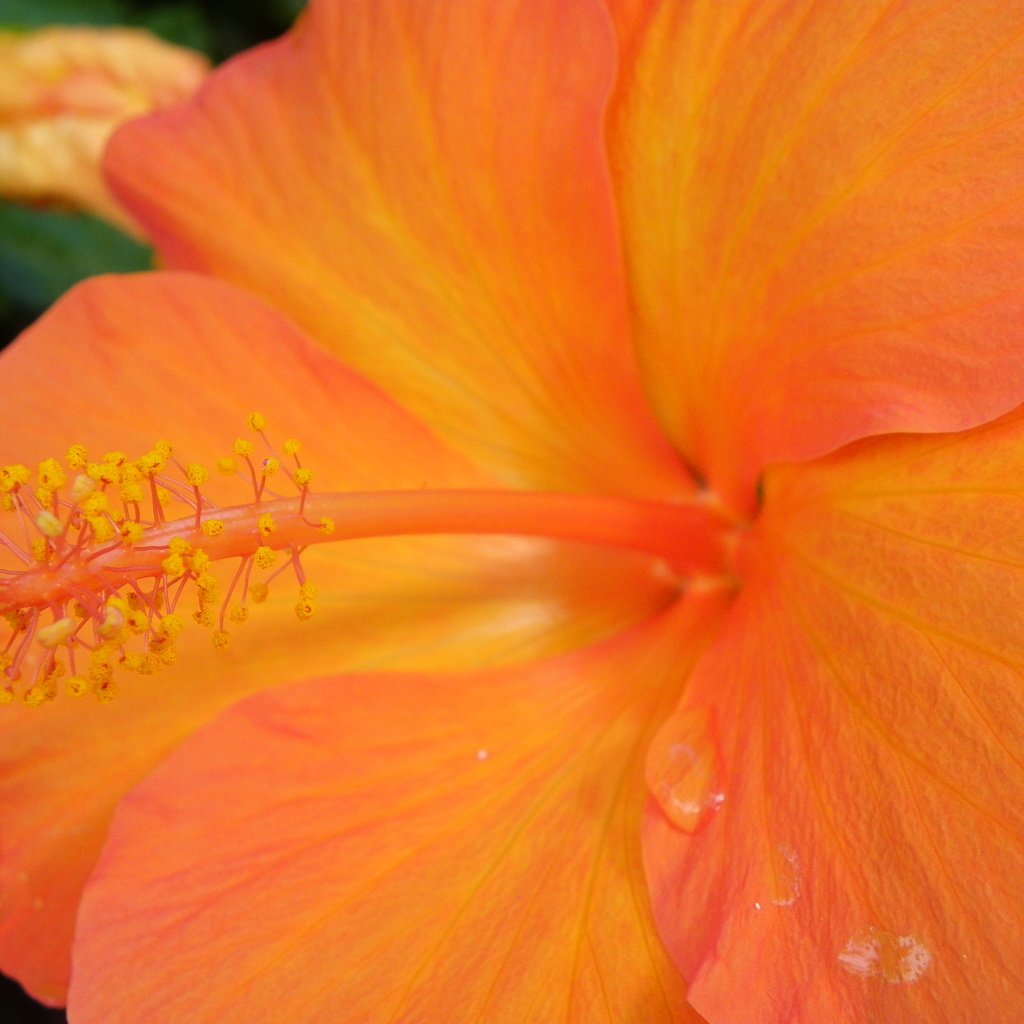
(823, 213)
(424, 188)
(457, 849)
(124, 361)
(868, 694)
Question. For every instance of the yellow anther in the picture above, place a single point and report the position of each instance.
(117, 458)
(257, 421)
(49, 525)
(197, 475)
(16, 475)
(81, 487)
(221, 639)
(204, 617)
(163, 649)
(6, 502)
(305, 608)
(40, 549)
(164, 449)
(213, 527)
(291, 446)
(308, 590)
(36, 696)
(171, 626)
(270, 466)
(77, 457)
(145, 664)
(78, 686)
(264, 557)
(226, 466)
(326, 525)
(137, 621)
(44, 495)
(259, 592)
(150, 664)
(104, 690)
(265, 524)
(179, 546)
(101, 663)
(132, 533)
(107, 472)
(51, 473)
(56, 633)
(242, 447)
(151, 463)
(173, 565)
(102, 528)
(207, 584)
(131, 492)
(130, 472)
(303, 477)
(238, 614)
(95, 504)
(198, 561)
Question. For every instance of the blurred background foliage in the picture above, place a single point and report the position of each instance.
(44, 252)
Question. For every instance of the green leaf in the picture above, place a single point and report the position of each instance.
(43, 253)
(35, 13)
(184, 24)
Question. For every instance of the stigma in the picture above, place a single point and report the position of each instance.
(111, 560)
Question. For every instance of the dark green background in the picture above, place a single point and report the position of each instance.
(44, 252)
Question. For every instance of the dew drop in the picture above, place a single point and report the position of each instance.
(683, 770)
(482, 754)
(897, 959)
(785, 876)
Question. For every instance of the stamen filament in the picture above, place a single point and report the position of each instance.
(692, 538)
(111, 583)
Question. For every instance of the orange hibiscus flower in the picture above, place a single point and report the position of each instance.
(62, 93)
(689, 335)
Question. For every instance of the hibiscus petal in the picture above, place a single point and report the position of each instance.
(447, 848)
(823, 214)
(424, 189)
(122, 362)
(867, 860)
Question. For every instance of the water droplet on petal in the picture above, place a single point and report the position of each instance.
(683, 770)
(785, 884)
(897, 959)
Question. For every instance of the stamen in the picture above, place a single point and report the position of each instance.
(110, 583)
